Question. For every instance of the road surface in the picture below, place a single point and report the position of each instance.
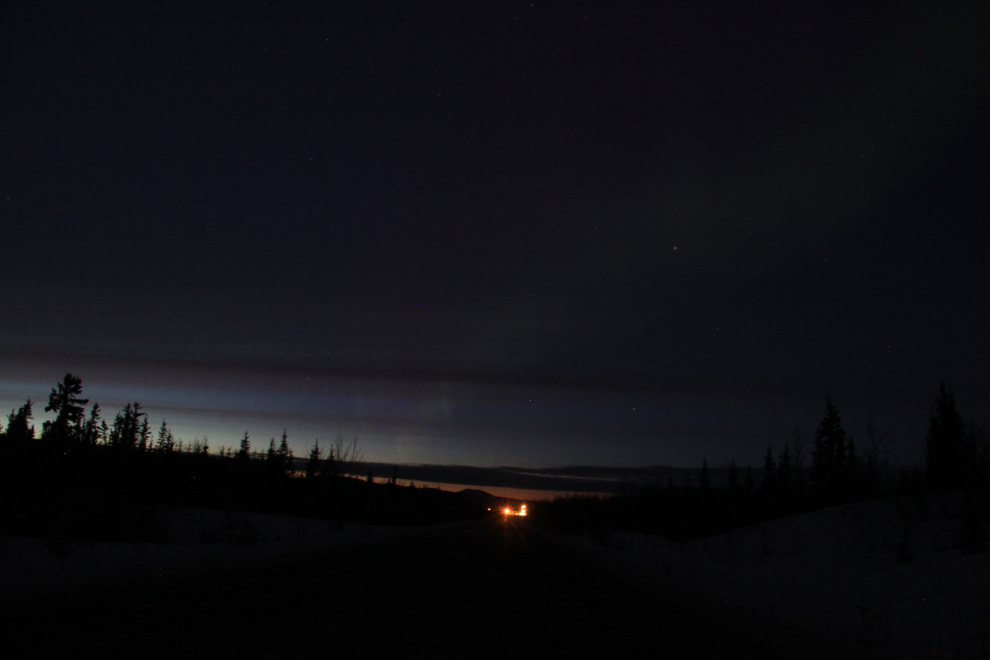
(488, 589)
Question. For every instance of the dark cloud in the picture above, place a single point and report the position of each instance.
(491, 197)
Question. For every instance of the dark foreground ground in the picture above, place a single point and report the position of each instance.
(493, 589)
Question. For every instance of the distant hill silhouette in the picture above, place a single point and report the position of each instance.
(574, 479)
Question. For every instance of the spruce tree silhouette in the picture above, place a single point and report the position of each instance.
(785, 475)
(244, 453)
(166, 443)
(127, 427)
(315, 458)
(19, 429)
(769, 484)
(329, 466)
(950, 456)
(64, 401)
(876, 448)
(144, 435)
(284, 453)
(829, 459)
(92, 428)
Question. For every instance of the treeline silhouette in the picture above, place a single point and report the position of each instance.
(795, 479)
(87, 479)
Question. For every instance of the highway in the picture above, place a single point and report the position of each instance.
(488, 589)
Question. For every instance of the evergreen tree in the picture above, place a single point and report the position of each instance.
(166, 443)
(704, 480)
(284, 453)
(315, 458)
(329, 466)
(119, 432)
(733, 476)
(127, 426)
(271, 456)
(91, 434)
(19, 428)
(784, 475)
(950, 456)
(769, 483)
(144, 435)
(830, 461)
(64, 401)
(876, 448)
(797, 446)
(244, 454)
(851, 474)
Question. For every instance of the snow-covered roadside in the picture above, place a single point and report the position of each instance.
(196, 541)
(888, 574)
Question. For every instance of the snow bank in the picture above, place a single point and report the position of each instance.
(889, 574)
(194, 540)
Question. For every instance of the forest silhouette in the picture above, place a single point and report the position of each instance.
(87, 479)
(797, 479)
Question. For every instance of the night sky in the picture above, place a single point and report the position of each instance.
(497, 233)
